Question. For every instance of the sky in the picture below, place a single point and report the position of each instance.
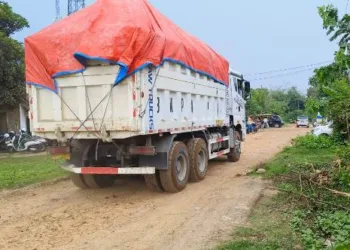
(255, 36)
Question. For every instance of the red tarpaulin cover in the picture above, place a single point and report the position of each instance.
(130, 33)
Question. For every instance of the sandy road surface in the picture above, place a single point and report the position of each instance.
(128, 216)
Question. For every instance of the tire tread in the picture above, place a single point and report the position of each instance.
(167, 178)
(194, 145)
(78, 181)
(153, 182)
(98, 181)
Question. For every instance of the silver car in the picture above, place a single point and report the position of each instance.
(303, 121)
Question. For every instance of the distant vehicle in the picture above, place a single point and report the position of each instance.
(303, 121)
(276, 121)
(326, 130)
(2, 142)
(5, 139)
(24, 142)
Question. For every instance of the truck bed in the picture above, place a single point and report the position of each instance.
(171, 99)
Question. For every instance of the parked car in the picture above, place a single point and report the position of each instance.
(303, 121)
(276, 121)
(326, 130)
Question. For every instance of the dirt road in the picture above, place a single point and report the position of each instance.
(128, 216)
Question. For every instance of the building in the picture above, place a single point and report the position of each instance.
(14, 119)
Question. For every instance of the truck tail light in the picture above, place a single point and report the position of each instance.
(59, 150)
(142, 150)
(60, 153)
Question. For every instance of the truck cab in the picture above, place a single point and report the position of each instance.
(238, 92)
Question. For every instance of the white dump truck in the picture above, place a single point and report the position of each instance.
(119, 89)
(164, 123)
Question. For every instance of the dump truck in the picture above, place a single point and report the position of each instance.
(146, 100)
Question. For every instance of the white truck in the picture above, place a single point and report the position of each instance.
(164, 123)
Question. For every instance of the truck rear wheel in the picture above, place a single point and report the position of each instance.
(235, 152)
(153, 182)
(99, 181)
(175, 178)
(198, 154)
(78, 181)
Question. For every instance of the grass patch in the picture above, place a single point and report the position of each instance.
(312, 209)
(268, 228)
(19, 172)
(292, 156)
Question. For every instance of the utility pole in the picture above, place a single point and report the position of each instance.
(75, 5)
(58, 10)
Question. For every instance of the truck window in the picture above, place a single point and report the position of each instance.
(240, 87)
(235, 83)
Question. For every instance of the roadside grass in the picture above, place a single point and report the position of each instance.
(283, 162)
(304, 214)
(267, 228)
(23, 171)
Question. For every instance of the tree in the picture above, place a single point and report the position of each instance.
(11, 58)
(337, 28)
(330, 88)
(258, 102)
(287, 103)
(296, 101)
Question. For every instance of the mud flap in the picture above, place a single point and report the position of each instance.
(160, 160)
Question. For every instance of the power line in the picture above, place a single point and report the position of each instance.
(288, 69)
(283, 75)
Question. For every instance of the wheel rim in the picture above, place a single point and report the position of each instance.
(201, 161)
(238, 147)
(181, 167)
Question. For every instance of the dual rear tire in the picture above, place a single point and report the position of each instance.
(185, 163)
(92, 181)
(235, 152)
(175, 178)
(199, 158)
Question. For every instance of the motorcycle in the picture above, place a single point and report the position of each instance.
(2, 142)
(24, 142)
(5, 139)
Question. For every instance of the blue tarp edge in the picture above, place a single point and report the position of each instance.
(82, 58)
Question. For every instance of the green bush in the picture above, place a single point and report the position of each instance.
(344, 154)
(313, 142)
(331, 227)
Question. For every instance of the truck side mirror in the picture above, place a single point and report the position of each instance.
(247, 87)
(247, 93)
(240, 84)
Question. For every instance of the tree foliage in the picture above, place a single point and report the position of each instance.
(329, 91)
(287, 103)
(11, 58)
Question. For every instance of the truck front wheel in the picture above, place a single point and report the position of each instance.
(175, 178)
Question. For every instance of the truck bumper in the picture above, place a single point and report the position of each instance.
(110, 170)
